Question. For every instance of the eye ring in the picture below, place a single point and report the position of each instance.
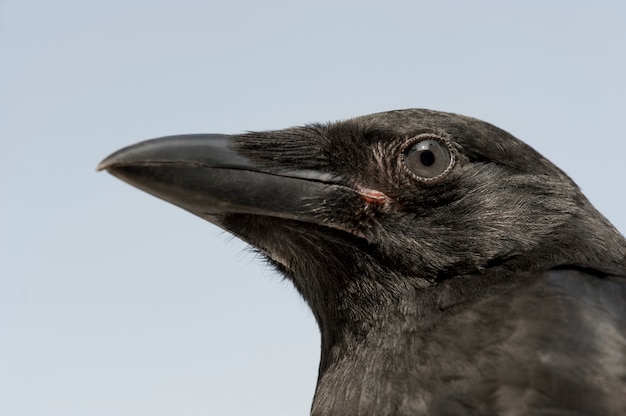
(428, 157)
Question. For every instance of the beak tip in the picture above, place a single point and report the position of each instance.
(105, 164)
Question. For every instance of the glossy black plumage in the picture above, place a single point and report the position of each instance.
(492, 287)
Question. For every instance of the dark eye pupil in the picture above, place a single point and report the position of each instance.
(427, 158)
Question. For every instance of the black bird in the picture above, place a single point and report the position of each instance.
(451, 268)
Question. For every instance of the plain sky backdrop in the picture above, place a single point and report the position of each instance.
(113, 302)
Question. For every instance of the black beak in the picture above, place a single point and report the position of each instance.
(203, 174)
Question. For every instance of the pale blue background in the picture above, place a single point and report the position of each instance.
(115, 303)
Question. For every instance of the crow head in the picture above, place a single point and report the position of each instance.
(367, 215)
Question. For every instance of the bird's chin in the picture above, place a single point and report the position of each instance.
(276, 237)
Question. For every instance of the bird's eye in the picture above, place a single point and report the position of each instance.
(428, 157)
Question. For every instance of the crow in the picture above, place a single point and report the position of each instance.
(452, 269)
